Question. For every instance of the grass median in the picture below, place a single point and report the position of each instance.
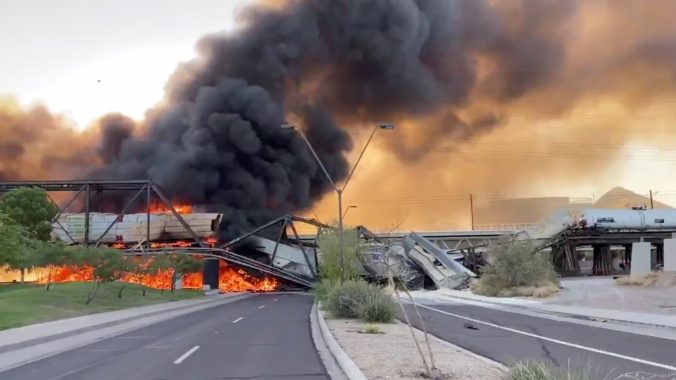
(25, 304)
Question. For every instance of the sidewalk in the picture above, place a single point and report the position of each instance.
(26, 344)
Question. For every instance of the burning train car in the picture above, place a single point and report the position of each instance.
(109, 228)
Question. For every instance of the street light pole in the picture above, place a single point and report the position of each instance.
(348, 209)
(341, 241)
(338, 190)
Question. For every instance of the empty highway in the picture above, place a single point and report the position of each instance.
(509, 337)
(266, 336)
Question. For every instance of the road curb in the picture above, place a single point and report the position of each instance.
(331, 353)
(42, 350)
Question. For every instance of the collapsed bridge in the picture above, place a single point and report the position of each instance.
(166, 228)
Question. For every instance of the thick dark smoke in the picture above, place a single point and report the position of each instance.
(440, 70)
(115, 129)
(218, 141)
(226, 149)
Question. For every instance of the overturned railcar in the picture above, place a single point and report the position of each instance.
(108, 228)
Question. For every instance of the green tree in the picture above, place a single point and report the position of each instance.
(141, 269)
(16, 249)
(178, 265)
(51, 257)
(11, 240)
(107, 265)
(31, 209)
(329, 248)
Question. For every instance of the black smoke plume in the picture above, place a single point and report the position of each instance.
(443, 71)
(218, 141)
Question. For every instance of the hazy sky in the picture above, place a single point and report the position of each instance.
(84, 58)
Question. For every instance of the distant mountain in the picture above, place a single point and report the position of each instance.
(619, 197)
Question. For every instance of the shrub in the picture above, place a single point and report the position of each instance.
(371, 329)
(343, 300)
(329, 254)
(358, 299)
(323, 288)
(378, 307)
(516, 269)
(544, 371)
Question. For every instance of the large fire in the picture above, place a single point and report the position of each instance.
(231, 279)
(160, 208)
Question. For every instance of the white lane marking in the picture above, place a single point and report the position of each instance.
(134, 337)
(590, 349)
(96, 350)
(262, 306)
(185, 356)
(275, 300)
(238, 319)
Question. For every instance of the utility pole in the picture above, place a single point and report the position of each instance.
(651, 200)
(339, 190)
(471, 209)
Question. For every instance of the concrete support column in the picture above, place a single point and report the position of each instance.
(179, 283)
(603, 260)
(627, 254)
(210, 274)
(659, 253)
(640, 258)
(670, 255)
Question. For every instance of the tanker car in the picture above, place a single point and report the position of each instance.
(624, 219)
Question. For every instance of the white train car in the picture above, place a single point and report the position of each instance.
(623, 219)
(131, 228)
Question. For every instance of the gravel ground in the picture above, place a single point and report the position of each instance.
(603, 293)
(392, 354)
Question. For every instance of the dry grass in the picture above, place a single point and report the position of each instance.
(544, 371)
(371, 329)
(648, 279)
(545, 290)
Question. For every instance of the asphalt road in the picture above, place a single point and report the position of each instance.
(266, 336)
(509, 337)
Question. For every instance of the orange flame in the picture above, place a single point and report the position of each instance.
(160, 208)
(238, 280)
(230, 279)
(174, 244)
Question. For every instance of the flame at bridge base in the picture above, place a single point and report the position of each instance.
(230, 279)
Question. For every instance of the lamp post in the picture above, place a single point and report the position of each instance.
(348, 209)
(339, 190)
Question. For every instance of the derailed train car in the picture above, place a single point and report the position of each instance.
(132, 228)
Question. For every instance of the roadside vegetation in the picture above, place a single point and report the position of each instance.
(646, 280)
(355, 298)
(655, 279)
(515, 269)
(26, 247)
(543, 371)
(25, 304)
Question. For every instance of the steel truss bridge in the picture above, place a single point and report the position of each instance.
(90, 193)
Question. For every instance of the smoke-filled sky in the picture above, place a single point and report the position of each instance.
(495, 98)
